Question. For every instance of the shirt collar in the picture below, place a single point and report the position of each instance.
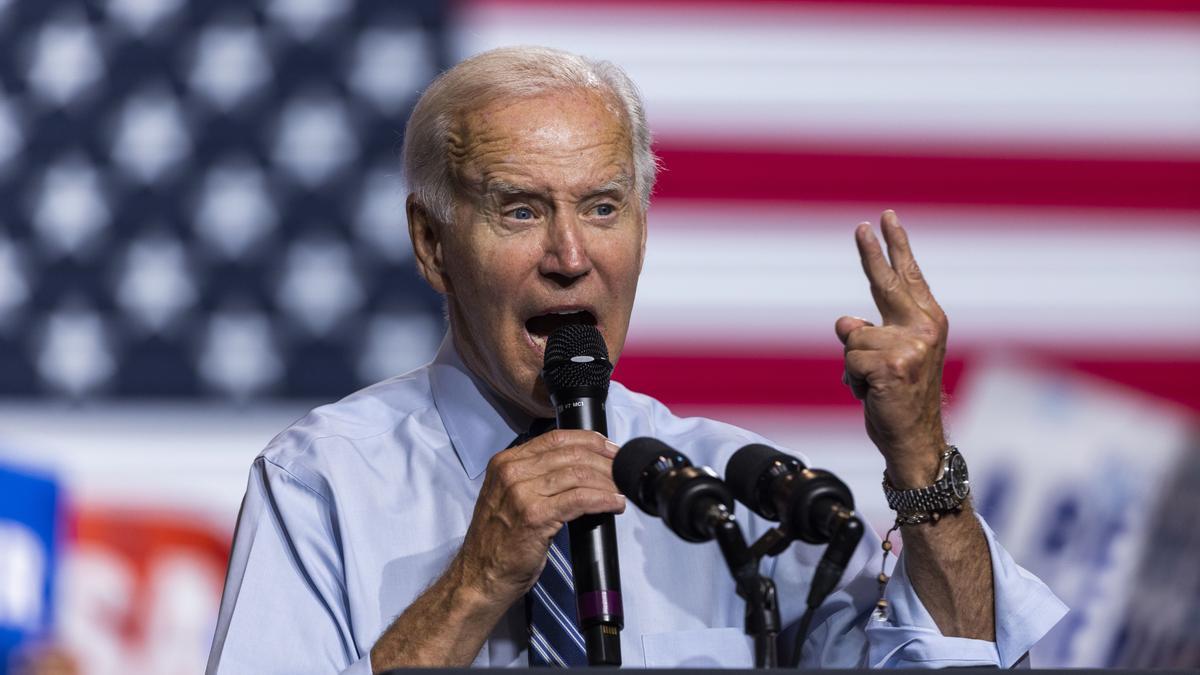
(476, 422)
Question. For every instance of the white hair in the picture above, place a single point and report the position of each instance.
(511, 72)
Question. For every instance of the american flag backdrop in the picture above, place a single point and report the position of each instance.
(202, 235)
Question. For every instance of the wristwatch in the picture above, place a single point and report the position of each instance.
(947, 493)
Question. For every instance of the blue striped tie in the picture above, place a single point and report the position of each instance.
(554, 637)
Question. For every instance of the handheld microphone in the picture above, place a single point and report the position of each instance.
(662, 482)
(576, 371)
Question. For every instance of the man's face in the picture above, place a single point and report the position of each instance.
(548, 230)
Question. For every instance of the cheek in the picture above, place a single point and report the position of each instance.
(623, 258)
(491, 273)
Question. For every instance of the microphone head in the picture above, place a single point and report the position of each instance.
(638, 463)
(576, 358)
(750, 471)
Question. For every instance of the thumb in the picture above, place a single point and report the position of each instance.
(847, 325)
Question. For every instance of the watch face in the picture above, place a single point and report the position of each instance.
(959, 481)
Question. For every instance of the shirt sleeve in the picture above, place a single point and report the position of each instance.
(284, 608)
(1025, 610)
(845, 634)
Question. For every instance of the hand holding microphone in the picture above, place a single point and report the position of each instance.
(576, 372)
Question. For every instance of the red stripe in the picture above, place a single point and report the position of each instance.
(807, 174)
(803, 381)
(1081, 6)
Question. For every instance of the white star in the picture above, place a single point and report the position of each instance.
(319, 286)
(66, 60)
(230, 64)
(142, 16)
(69, 210)
(315, 139)
(306, 18)
(391, 66)
(151, 135)
(239, 356)
(10, 133)
(396, 343)
(74, 356)
(154, 286)
(380, 218)
(14, 290)
(235, 211)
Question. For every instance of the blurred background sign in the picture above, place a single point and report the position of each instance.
(202, 236)
(28, 552)
(1084, 479)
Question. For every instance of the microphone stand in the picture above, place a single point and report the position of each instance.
(845, 530)
(758, 590)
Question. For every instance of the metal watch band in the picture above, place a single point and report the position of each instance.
(926, 503)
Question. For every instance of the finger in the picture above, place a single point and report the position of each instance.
(525, 468)
(876, 337)
(858, 388)
(888, 289)
(861, 365)
(858, 384)
(903, 262)
(567, 478)
(846, 325)
(556, 439)
(567, 506)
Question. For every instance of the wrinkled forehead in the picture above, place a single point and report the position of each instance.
(574, 136)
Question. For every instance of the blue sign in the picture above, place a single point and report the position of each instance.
(28, 545)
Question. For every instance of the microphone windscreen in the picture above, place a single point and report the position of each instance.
(576, 356)
(631, 463)
(745, 470)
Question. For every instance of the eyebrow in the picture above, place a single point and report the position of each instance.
(497, 186)
(620, 183)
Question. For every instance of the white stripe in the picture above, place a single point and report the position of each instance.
(746, 273)
(547, 650)
(536, 646)
(561, 564)
(558, 564)
(559, 617)
(558, 567)
(977, 77)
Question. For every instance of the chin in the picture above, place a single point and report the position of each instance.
(541, 399)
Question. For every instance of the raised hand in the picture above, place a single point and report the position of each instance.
(895, 368)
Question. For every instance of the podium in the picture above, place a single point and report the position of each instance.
(751, 671)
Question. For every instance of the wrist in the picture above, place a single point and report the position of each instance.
(915, 468)
(933, 496)
(471, 593)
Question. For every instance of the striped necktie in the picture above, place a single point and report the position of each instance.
(550, 611)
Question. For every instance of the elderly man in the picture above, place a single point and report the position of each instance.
(404, 526)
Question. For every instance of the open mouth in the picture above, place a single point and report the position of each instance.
(541, 326)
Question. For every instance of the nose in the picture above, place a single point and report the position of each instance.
(566, 259)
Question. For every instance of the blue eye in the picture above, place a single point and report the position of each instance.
(523, 213)
(605, 210)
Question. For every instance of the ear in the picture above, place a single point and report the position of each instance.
(426, 236)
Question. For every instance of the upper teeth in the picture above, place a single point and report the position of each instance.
(570, 311)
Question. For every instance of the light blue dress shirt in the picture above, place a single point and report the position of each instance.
(355, 509)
